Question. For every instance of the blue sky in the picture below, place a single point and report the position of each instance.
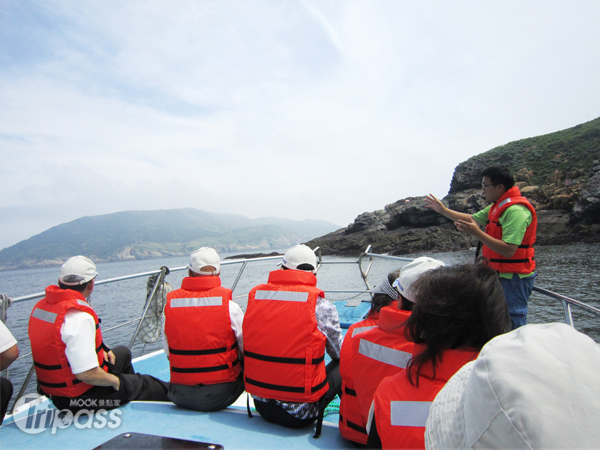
(296, 109)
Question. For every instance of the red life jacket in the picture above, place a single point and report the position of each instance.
(401, 409)
(523, 261)
(380, 353)
(284, 351)
(202, 345)
(51, 365)
(351, 425)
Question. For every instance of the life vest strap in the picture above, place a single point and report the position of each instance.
(277, 387)
(278, 359)
(211, 351)
(59, 385)
(511, 261)
(349, 391)
(203, 369)
(354, 426)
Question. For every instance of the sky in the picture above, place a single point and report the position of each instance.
(295, 109)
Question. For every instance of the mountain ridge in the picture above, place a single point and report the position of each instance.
(148, 234)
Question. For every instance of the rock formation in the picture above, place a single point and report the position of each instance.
(560, 184)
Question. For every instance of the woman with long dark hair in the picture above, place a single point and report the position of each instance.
(457, 310)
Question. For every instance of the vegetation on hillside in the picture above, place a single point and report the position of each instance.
(551, 158)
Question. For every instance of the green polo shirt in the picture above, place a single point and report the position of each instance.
(514, 220)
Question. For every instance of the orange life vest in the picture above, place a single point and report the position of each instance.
(523, 261)
(351, 424)
(51, 365)
(202, 345)
(284, 351)
(401, 409)
(379, 353)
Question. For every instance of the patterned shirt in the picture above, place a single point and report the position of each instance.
(328, 323)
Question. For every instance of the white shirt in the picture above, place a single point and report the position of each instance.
(236, 316)
(78, 332)
(7, 340)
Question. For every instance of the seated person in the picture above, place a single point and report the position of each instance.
(457, 310)
(203, 338)
(9, 352)
(535, 387)
(351, 426)
(71, 360)
(288, 326)
(384, 351)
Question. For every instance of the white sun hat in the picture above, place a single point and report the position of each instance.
(77, 270)
(205, 257)
(297, 256)
(411, 272)
(534, 387)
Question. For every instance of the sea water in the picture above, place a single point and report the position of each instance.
(572, 270)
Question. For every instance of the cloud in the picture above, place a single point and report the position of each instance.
(298, 109)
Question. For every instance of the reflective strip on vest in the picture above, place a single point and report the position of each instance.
(357, 330)
(409, 414)
(384, 354)
(282, 296)
(83, 302)
(504, 202)
(46, 316)
(196, 301)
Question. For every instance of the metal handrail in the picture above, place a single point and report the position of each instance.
(366, 255)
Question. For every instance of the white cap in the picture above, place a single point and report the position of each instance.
(411, 272)
(203, 257)
(77, 270)
(535, 387)
(298, 255)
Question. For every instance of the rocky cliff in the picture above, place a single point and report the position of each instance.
(559, 173)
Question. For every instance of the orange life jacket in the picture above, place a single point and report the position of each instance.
(51, 365)
(351, 424)
(284, 351)
(523, 261)
(202, 345)
(379, 353)
(401, 409)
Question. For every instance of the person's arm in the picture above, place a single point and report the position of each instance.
(433, 203)
(328, 323)
(8, 357)
(9, 351)
(98, 377)
(236, 316)
(498, 245)
(78, 332)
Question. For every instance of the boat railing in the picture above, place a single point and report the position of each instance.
(364, 263)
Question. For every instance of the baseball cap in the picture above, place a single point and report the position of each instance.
(534, 387)
(77, 270)
(411, 272)
(297, 256)
(205, 256)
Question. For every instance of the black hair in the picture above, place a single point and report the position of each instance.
(461, 306)
(499, 175)
(380, 300)
(78, 287)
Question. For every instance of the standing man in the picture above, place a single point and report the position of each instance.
(510, 231)
(288, 326)
(203, 338)
(74, 367)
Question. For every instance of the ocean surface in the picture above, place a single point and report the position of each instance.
(572, 270)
